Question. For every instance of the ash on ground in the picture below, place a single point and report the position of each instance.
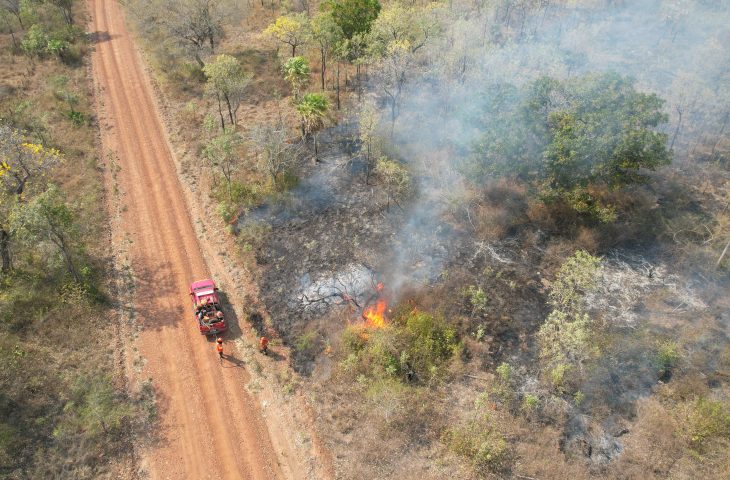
(333, 236)
(352, 285)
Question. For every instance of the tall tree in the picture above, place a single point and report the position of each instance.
(603, 132)
(569, 136)
(23, 167)
(327, 34)
(221, 153)
(228, 82)
(292, 30)
(395, 37)
(275, 153)
(47, 218)
(197, 25)
(368, 120)
(394, 176)
(66, 8)
(15, 8)
(353, 16)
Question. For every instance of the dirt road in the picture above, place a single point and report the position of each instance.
(210, 427)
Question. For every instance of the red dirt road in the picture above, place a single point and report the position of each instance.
(209, 425)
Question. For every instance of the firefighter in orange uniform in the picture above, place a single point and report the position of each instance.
(264, 345)
(219, 347)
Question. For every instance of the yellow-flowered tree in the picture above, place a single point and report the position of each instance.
(292, 30)
(23, 171)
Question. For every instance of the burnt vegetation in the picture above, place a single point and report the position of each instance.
(540, 187)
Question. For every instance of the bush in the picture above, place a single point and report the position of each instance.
(35, 41)
(708, 420)
(667, 355)
(306, 348)
(480, 443)
(530, 402)
(57, 47)
(415, 346)
(477, 299)
(557, 376)
(76, 117)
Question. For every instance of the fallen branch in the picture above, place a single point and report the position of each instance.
(477, 378)
(722, 255)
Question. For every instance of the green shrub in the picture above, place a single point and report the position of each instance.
(557, 376)
(76, 117)
(95, 408)
(667, 355)
(502, 388)
(477, 299)
(57, 47)
(708, 420)
(35, 41)
(504, 373)
(530, 402)
(414, 346)
(480, 443)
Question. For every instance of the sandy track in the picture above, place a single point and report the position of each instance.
(210, 427)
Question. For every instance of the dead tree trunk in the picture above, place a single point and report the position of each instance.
(338, 85)
(679, 125)
(7, 263)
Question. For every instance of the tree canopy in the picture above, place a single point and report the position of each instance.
(227, 81)
(568, 136)
(296, 71)
(353, 16)
(292, 30)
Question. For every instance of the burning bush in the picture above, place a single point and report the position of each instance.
(415, 346)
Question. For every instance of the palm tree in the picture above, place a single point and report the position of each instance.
(313, 108)
(296, 72)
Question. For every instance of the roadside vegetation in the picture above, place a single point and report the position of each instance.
(64, 409)
(546, 206)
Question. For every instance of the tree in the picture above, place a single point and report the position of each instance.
(35, 41)
(95, 408)
(603, 134)
(396, 35)
(397, 23)
(396, 62)
(327, 34)
(47, 218)
(22, 173)
(353, 16)
(394, 176)
(274, 152)
(296, 71)
(228, 82)
(15, 8)
(7, 24)
(197, 25)
(569, 136)
(368, 120)
(221, 154)
(292, 30)
(313, 108)
(66, 8)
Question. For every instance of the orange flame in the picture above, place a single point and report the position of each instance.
(375, 315)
